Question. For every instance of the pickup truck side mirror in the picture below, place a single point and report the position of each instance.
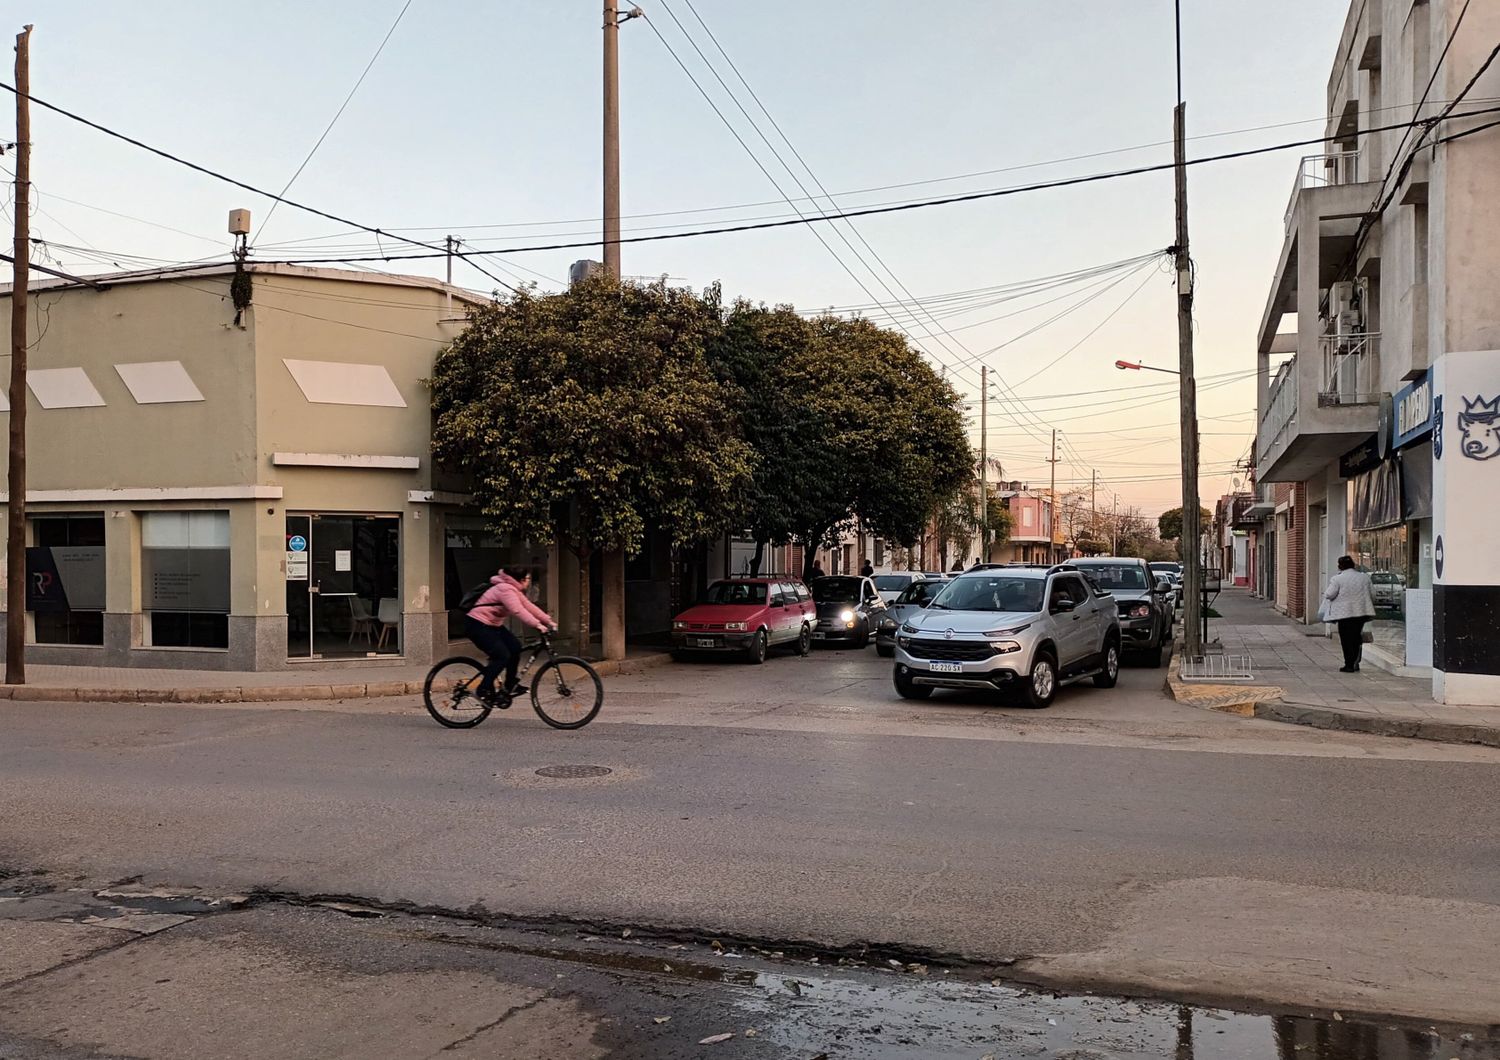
(1163, 585)
(1062, 607)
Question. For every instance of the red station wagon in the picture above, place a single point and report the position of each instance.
(747, 615)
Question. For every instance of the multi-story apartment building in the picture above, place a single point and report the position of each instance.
(1379, 388)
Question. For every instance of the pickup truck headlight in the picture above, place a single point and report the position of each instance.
(908, 628)
(1008, 632)
(846, 615)
(1138, 611)
(737, 626)
(1004, 647)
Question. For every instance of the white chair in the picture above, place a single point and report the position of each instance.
(361, 622)
(388, 614)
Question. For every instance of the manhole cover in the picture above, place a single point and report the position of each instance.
(573, 772)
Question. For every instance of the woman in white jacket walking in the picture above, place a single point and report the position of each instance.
(1349, 602)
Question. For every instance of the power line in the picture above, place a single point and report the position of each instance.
(339, 114)
(247, 187)
(994, 193)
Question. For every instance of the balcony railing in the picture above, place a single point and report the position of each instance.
(1323, 171)
(1351, 369)
(1280, 414)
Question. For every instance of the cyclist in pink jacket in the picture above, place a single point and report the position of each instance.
(485, 624)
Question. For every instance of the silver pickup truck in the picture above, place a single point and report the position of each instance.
(1030, 629)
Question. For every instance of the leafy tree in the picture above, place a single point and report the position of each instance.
(1169, 524)
(1001, 525)
(845, 420)
(761, 356)
(956, 524)
(588, 414)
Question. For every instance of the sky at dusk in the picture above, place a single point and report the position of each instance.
(482, 120)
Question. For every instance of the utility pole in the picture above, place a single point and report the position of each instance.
(612, 621)
(1114, 528)
(984, 463)
(450, 243)
(1052, 493)
(15, 550)
(1093, 501)
(1192, 567)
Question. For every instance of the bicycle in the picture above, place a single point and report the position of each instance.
(566, 692)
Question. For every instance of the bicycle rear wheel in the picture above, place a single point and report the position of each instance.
(566, 693)
(450, 693)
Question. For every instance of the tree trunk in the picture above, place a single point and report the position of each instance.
(758, 558)
(585, 599)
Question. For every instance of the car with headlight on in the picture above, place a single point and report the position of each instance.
(747, 616)
(1145, 602)
(1023, 629)
(849, 609)
(918, 595)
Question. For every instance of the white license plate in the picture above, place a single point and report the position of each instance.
(945, 668)
(706, 642)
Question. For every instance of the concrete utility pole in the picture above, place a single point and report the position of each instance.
(612, 621)
(1052, 493)
(451, 243)
(1093, 501)
(1192, 567)
(15, 551)
(984, 463)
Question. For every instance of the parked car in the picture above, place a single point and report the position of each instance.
(1144, 600)
(749, 616)
(917, 596)
(1389, 590)
(1173, 573)
(849, 608)
(892, 585)
(1025, 628)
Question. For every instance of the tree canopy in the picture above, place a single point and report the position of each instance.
(590, 413)
(1169, 523)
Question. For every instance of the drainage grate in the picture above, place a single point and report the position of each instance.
(573, 772)
(1218, 668)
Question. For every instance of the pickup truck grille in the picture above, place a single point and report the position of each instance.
(951, 650)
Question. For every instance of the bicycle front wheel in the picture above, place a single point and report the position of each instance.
(567, 693)
(451, 693)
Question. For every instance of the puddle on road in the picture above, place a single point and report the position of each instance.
(868, 1016)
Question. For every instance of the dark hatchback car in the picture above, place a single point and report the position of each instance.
(1144, 600)
(849, 609)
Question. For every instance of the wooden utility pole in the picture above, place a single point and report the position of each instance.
(984, 463)
(15, 552)
(612, 562)
(1192, 570)
(612, 138)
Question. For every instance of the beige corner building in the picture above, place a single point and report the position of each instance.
(244, 489)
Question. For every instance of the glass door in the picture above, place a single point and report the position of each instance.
(349, 602)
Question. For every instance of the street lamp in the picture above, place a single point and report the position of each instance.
(1134, 367)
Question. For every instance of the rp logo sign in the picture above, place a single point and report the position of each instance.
(42, 582)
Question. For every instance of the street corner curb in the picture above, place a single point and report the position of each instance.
(1241, 700)
(1409, 728)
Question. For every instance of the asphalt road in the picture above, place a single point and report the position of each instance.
(1117, 840)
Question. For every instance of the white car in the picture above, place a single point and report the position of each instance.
(893, 584)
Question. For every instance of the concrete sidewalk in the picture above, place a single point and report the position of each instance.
(297, 683)
(1297, 680)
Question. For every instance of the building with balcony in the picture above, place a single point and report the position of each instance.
(1380, 323)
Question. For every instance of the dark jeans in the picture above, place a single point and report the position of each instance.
(502, 648)
(1351, 637)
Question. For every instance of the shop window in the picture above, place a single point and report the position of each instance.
(185, 578)
(65, 579)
